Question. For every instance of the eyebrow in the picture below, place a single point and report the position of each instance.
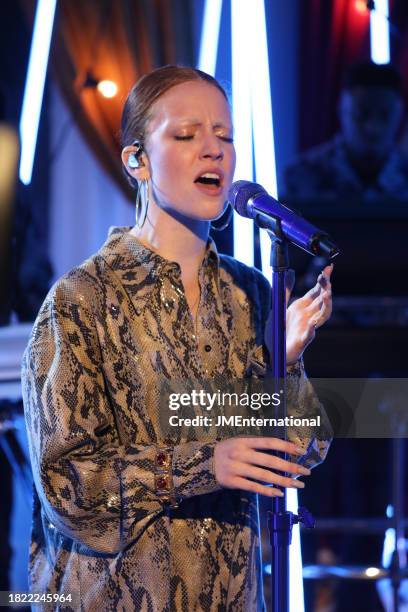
(195, 123)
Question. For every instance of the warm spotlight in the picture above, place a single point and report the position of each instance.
(108, 89)
(372, 572)
(361, 6)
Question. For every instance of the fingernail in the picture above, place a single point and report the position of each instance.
(299, 450)
(298, 484)
(279, 493)
(305, 471)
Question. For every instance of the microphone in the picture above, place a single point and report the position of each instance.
(252, 201)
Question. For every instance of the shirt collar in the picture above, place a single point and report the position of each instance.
(139, 269)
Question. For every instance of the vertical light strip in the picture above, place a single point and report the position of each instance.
(209, 36)
(265, 168)
(296, 595)
(34, 88)
(380, 33)
(261, 102)
(242, 65)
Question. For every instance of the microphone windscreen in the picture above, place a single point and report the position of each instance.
(239, 194)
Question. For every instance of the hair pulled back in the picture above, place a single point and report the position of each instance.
(138, 106)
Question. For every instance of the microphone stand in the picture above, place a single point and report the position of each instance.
(250, 200)
(280, 521)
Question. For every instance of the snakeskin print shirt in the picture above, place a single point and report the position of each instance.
(123, 519)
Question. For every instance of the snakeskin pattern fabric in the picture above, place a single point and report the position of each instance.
(123, 517)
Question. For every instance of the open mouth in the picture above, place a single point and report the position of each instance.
(209, 179)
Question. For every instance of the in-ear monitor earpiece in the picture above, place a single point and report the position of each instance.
(133, 159)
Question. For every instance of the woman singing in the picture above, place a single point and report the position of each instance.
(124, 518)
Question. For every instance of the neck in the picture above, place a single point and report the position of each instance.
(175, 238)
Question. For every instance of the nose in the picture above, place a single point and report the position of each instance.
(212, 148)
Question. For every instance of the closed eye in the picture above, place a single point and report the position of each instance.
(224, 138)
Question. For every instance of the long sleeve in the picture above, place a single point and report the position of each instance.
(302, 402)
(93, 488)
(301, 398)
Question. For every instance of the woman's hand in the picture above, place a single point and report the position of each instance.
(307, 314)
(239, 463)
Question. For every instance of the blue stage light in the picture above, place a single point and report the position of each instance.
(34, 88)
(380, 33)
(209, 36)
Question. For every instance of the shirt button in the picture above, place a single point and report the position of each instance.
(162, 459)
(161, 483)
(138, 311)
(207, 348)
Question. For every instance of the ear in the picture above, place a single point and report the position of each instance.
(142, 171)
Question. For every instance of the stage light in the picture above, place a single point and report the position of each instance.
(262, 119)
(361, 6)
(371, 572)
(389, 547)
(253, 105)
(108, 89)
(265, 171)
(380, 33)
(241, 106)
(242, 64)
(296, 597)
(34, 87)
(209, 36)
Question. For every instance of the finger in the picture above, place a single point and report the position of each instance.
(325, 285)
(326, 299)
(322, 282)
(266, 476)
(324, 296)
(313, 293)
(256, 487)
(325, 274)
(328, 270)
(315, 306)
(319, 317)
(276, 463)
(275, 444)
(326, 311)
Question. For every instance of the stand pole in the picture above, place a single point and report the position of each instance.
(279, 520)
